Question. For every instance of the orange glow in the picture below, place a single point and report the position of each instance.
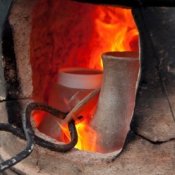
(70, 34)
(86, 136)
(116, 31)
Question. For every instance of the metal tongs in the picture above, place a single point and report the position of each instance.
(29, 134)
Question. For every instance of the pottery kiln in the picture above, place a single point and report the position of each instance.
(38, 162)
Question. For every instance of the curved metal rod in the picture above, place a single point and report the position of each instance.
(44, 143)
(39, 141)
(12, 129)
(32, 138)
(29, 135)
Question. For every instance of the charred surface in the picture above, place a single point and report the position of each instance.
(4, 11)
(133, 3)
(155, 102)
(10, 70)
(11, 76)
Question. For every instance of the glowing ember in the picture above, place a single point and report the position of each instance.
(70, 34)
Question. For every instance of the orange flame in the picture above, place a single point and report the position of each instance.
(101, 29)
(86, 136)
(115, 30)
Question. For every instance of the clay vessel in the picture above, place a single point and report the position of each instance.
(116, 101)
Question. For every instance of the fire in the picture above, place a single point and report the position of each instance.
(76, 36)
(86, 136)
(114, 30)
